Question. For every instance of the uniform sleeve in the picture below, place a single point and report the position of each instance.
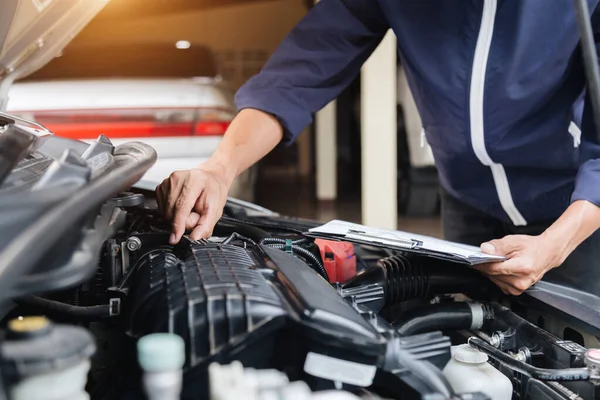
(587, 183)
(315, 62)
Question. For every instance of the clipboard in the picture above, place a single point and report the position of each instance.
(404, 241)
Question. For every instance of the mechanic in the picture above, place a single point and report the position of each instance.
(500, 88)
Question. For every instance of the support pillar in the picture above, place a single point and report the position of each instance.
(326, 149)
(379, 136)
(326, 152)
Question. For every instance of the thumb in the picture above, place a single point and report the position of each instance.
(500, 247)
(488, 248)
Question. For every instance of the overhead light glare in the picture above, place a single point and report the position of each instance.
(183, 44)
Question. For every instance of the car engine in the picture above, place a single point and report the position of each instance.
(261, 310)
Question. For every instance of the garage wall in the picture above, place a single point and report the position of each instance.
(243, 36)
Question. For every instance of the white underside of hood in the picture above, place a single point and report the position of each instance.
(32, 32)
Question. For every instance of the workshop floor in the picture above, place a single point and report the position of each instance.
(296, 199)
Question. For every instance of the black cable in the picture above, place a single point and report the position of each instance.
(236, 235)
(590, 58)
(62, 310)
(303, 252)
(542, 374)
(296, 242)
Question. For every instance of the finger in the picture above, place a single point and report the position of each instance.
(160, 196)
(501, 285)
(192, 221)
(488, 268)
(515, 284)
(509, 267)
(204, 228)
(506, 287)
(159, 200)
(176, 188)
(206, 223)
(183, 208)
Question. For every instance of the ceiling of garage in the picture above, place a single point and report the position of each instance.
(242, 34)
(240, 24)
(118, 9)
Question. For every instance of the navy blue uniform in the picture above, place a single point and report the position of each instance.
(499, 85)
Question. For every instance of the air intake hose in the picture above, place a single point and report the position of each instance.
(227, 227)
(406, 277)
(443, 317)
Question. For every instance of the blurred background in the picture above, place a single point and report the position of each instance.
(165, 72)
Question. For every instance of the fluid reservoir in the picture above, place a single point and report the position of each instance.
(44, 361)
(468, 372)
(162, 356)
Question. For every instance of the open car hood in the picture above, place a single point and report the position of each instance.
(32, 32)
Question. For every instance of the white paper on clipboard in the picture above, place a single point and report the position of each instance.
(411, 242)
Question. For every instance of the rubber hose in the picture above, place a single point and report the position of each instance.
(57, 309)
(542, 374)
(317, 263)
(443, 317)
(262, 224)
(405, 278)
(227, 227)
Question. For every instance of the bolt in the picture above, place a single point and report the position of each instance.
(133, 243)
(496, 340)
(372, 316)
(520, 356)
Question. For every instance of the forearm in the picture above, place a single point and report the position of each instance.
(251, 135)
(578, 222)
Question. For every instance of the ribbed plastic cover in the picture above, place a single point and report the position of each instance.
(254, 304)
(212, 296)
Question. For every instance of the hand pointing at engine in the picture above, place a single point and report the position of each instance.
(194, 199)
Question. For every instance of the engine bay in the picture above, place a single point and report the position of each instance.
(95, 304)
(261, 309)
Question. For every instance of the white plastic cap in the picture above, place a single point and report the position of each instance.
(592, 358)
(161, 352)
(469, 355)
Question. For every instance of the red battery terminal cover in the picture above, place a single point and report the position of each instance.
(338, 258)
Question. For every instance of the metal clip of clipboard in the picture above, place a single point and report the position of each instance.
(407, 243)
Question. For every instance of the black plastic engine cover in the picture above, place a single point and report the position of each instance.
(258, 305)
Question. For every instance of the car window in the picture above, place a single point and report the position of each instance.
(132, 61)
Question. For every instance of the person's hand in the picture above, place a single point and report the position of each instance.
(528, 259)
(193, 200)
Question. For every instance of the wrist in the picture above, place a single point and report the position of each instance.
(560, 244)
(577, 223)
(222, 166)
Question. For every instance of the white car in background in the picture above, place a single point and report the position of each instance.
(166, 97)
